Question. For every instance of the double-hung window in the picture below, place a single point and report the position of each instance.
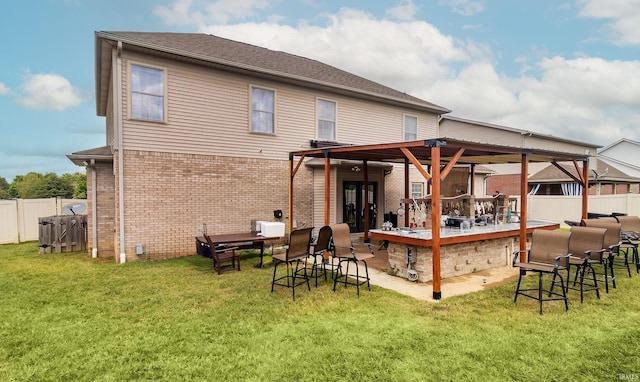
(262, 110)
(410, 128)
(417, 190)
(147, 93)
(326, 120)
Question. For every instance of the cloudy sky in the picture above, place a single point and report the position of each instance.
(567, 68)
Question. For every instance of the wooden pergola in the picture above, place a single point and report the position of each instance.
(434, 159)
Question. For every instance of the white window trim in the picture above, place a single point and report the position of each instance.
(164, 91)
(275, 108)
(422, 189)
(318, 117)
(404, 127)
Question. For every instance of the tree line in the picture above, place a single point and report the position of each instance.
(35, 185)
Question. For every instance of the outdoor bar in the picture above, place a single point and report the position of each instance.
(462, 251)
(444, 249)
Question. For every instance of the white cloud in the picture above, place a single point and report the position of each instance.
(588, 99)
(49, 91)
(200, 12)
(584, 98)
(4, 89)
(404, 55)
(623, 16)
(406, 10)
(464, 7)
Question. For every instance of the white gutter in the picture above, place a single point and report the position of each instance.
(118, 128)
(94, 208)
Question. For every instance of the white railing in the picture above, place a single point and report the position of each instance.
(19, 217)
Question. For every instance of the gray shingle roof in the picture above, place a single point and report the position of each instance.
(261, 60)
(608, 173)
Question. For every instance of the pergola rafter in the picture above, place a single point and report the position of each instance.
(427, 156)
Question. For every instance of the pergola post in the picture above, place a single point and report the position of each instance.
(585, 187)
(290, 224)
(472, 180)
(327, 187)
(406, 190)
(365, 170)
(435, 221)
(524, 191)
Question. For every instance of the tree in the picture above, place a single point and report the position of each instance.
(35, 185)
(79, 183)
(4, 188)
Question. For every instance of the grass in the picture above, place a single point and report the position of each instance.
(67, 317)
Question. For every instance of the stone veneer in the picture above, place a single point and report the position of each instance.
(455, 259)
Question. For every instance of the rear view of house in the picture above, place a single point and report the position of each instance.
(198, 131)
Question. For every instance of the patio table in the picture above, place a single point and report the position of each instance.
(246, 240)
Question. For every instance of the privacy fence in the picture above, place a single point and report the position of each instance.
(560, 208)
(19, 218)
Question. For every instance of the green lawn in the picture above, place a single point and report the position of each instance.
(67, 317)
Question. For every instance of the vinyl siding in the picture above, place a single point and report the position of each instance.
(208, 114)
(318, 196)
(489, 135)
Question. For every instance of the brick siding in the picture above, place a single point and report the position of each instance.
(506, 184)
(105, 207)
(169, 196)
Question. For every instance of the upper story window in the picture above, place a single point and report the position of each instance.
(262, 110)
(326, 120)
(410, 128)
(417, 190)
(147, 93)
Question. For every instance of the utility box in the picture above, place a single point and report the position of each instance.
(62, 233)
(272, 229)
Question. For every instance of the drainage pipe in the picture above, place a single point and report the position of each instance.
(118, 120)
(94, 209)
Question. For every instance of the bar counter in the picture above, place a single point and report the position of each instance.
(462, 251)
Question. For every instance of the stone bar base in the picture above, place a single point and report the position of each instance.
(455, 259)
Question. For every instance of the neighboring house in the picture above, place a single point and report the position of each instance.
(605, 179)
(198, 131)
(623, 154)
(506, 177)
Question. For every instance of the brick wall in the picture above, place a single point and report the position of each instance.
(506, 184)
(455, 259)
(105, 207)
(169, 196)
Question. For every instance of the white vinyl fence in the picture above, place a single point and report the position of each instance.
(19, 218)
(560, 208)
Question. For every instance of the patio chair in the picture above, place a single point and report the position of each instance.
(612, 258)
(630, 226)
(321, 249)
(294, 259)
(549, 254)
(345, 252)
(586, 246)
(222, 254)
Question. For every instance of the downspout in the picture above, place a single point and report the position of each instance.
(118, 82)
(94, 210)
